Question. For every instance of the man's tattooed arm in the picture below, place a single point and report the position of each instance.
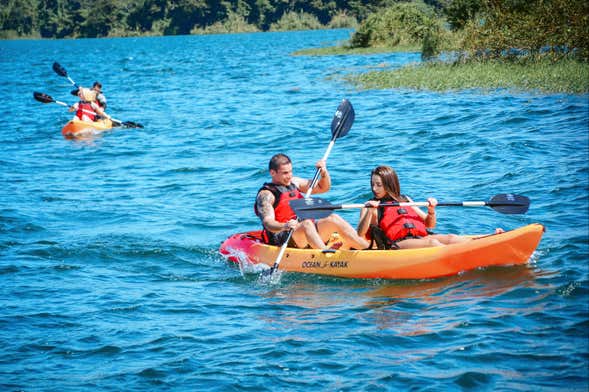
(264, 203)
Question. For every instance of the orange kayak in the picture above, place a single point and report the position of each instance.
(508, 248)
(75, 128)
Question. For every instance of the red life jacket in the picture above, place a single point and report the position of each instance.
(399, 223)
(282, 211)
(282, 196)
(85, 108)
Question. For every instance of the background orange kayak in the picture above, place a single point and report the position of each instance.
(508, 248)
(77, 127)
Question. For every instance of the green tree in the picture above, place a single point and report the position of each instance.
(560, 27)
(459, 12)
(101, 17)
(19, 16)
(142, 17)
(296, 21)
(400, 24)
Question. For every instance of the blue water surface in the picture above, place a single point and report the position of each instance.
(110, 277)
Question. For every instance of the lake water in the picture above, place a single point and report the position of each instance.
(110, 277)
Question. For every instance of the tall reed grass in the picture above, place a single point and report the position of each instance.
(544, 75)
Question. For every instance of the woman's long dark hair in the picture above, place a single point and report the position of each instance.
(390, 182)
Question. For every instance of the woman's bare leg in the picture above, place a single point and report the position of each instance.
(448, 239)
(413, 243)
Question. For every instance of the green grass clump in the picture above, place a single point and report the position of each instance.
(344, 50)
(563, 76)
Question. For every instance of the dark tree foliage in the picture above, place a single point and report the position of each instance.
(489, 25)
(536, 27)
(460, 12)
(89, 18)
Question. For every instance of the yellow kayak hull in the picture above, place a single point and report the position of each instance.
(509, 248)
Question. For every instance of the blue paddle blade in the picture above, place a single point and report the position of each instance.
(311, 208)
(343, 119)
(509, 203)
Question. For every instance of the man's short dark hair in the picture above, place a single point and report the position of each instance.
(278, 160)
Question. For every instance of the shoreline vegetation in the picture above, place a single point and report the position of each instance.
(543, 46)
(563, 76)
(540, 45)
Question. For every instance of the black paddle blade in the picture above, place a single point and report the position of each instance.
(311, 208)
(41, 97)
(343, 119)
(131, 124)
(59, 69)
(508, 203)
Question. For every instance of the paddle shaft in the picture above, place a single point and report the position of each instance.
(412, 204)
(72, 82)
(114, 120)
(307, 194)
(314, 182)
(316, 177)
(84, 110)
(506, 207)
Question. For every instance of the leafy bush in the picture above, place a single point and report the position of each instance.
(400, 24)
(459, 12)
(234, 23)
(296, 21)
(342, 20)
(432, 40)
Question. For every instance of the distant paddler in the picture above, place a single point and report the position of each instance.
(87, 109)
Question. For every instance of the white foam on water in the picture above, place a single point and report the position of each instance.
(246, 267)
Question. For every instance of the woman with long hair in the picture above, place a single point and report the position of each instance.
(396, 227)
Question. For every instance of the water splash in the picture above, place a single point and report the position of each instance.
(246, 267)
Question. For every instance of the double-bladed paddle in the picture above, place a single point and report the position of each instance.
(44, 98)
(317, 208)
(340, 126)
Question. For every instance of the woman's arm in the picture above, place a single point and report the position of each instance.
(368, 216)
(430, 217)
